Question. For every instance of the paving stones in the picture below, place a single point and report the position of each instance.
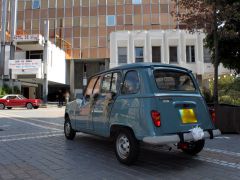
(29, 151)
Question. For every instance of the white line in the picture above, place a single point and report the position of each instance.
(222, 137)
(223, 152)
(55, 124)
(218, 162)
(4, 126)
(25, 138)
(37, 125)
(29, 134)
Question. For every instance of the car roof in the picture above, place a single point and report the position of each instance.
(144, 65)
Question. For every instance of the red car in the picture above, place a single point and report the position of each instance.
(17, 100)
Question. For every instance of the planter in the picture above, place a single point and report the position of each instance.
(228, 118)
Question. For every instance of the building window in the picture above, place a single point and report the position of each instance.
(138, 54)
(156, 54)
(137, 1)
(122, 55)
(190, 54)
(111, 20)
(36, 4)
(207, 55)
(173, 55)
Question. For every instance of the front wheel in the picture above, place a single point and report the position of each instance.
(68, 130)
(29, 106)
(2, 106)
(193, 148)
(126, 147)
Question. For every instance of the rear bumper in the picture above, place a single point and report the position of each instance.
(176, 138)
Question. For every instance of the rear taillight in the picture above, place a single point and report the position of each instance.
(213, 115)
(156, 118)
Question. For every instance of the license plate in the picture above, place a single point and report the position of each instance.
(188, 116)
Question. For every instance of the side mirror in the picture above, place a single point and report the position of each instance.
(95, 96)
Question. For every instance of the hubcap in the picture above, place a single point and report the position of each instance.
(29, 106)
(67, 128)
(123, 146)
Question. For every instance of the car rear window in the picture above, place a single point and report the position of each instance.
(171, 80)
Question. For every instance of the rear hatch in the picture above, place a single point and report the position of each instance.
(179, 102)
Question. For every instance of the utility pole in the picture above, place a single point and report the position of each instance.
(13, 31)
(45, 62)
(3, 38)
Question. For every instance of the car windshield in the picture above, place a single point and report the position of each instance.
(170, 80)
(21, 97)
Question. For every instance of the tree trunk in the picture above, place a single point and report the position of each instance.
(216, 58)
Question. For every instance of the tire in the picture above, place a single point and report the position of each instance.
(9, 107)
(126, 147)
(2, 106)
(29, 106)
(68, 130)
(194, 147)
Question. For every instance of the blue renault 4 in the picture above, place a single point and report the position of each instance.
(151, 103)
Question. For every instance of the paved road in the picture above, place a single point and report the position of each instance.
(32, 146)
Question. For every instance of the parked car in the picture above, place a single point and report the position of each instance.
(17, 100)
(142, 102)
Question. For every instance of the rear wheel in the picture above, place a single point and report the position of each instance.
(193, 148)
(29, 106)
(2, 106)
(126, 147)
(68, 130)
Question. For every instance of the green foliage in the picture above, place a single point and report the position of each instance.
(229, 90)
(199, 15)
(8, 90)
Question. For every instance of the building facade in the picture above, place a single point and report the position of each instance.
(178, 47)
(82, 29)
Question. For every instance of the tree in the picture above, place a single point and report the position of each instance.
(220, 20)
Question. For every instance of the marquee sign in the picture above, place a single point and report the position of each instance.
(25, 64)
(27, 37)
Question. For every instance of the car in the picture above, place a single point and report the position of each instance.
(149, 103)
(17, 100)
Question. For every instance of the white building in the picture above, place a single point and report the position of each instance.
(169, 47)
(30, 49)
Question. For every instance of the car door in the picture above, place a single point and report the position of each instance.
(12, 101)
(103, 102)
(84, 108)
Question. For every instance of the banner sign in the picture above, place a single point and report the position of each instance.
(25, 64)
(27, 37)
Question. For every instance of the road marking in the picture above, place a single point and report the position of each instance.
(4, 126)
(222, 137)
(223, 152)
(30, 134)
(218, 162)
(55, 124)
(33, 124)
(35, 137)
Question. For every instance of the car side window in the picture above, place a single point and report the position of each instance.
(116, 82)
(90, 87)
(106, 83)
(131, 84)
(11, 97)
